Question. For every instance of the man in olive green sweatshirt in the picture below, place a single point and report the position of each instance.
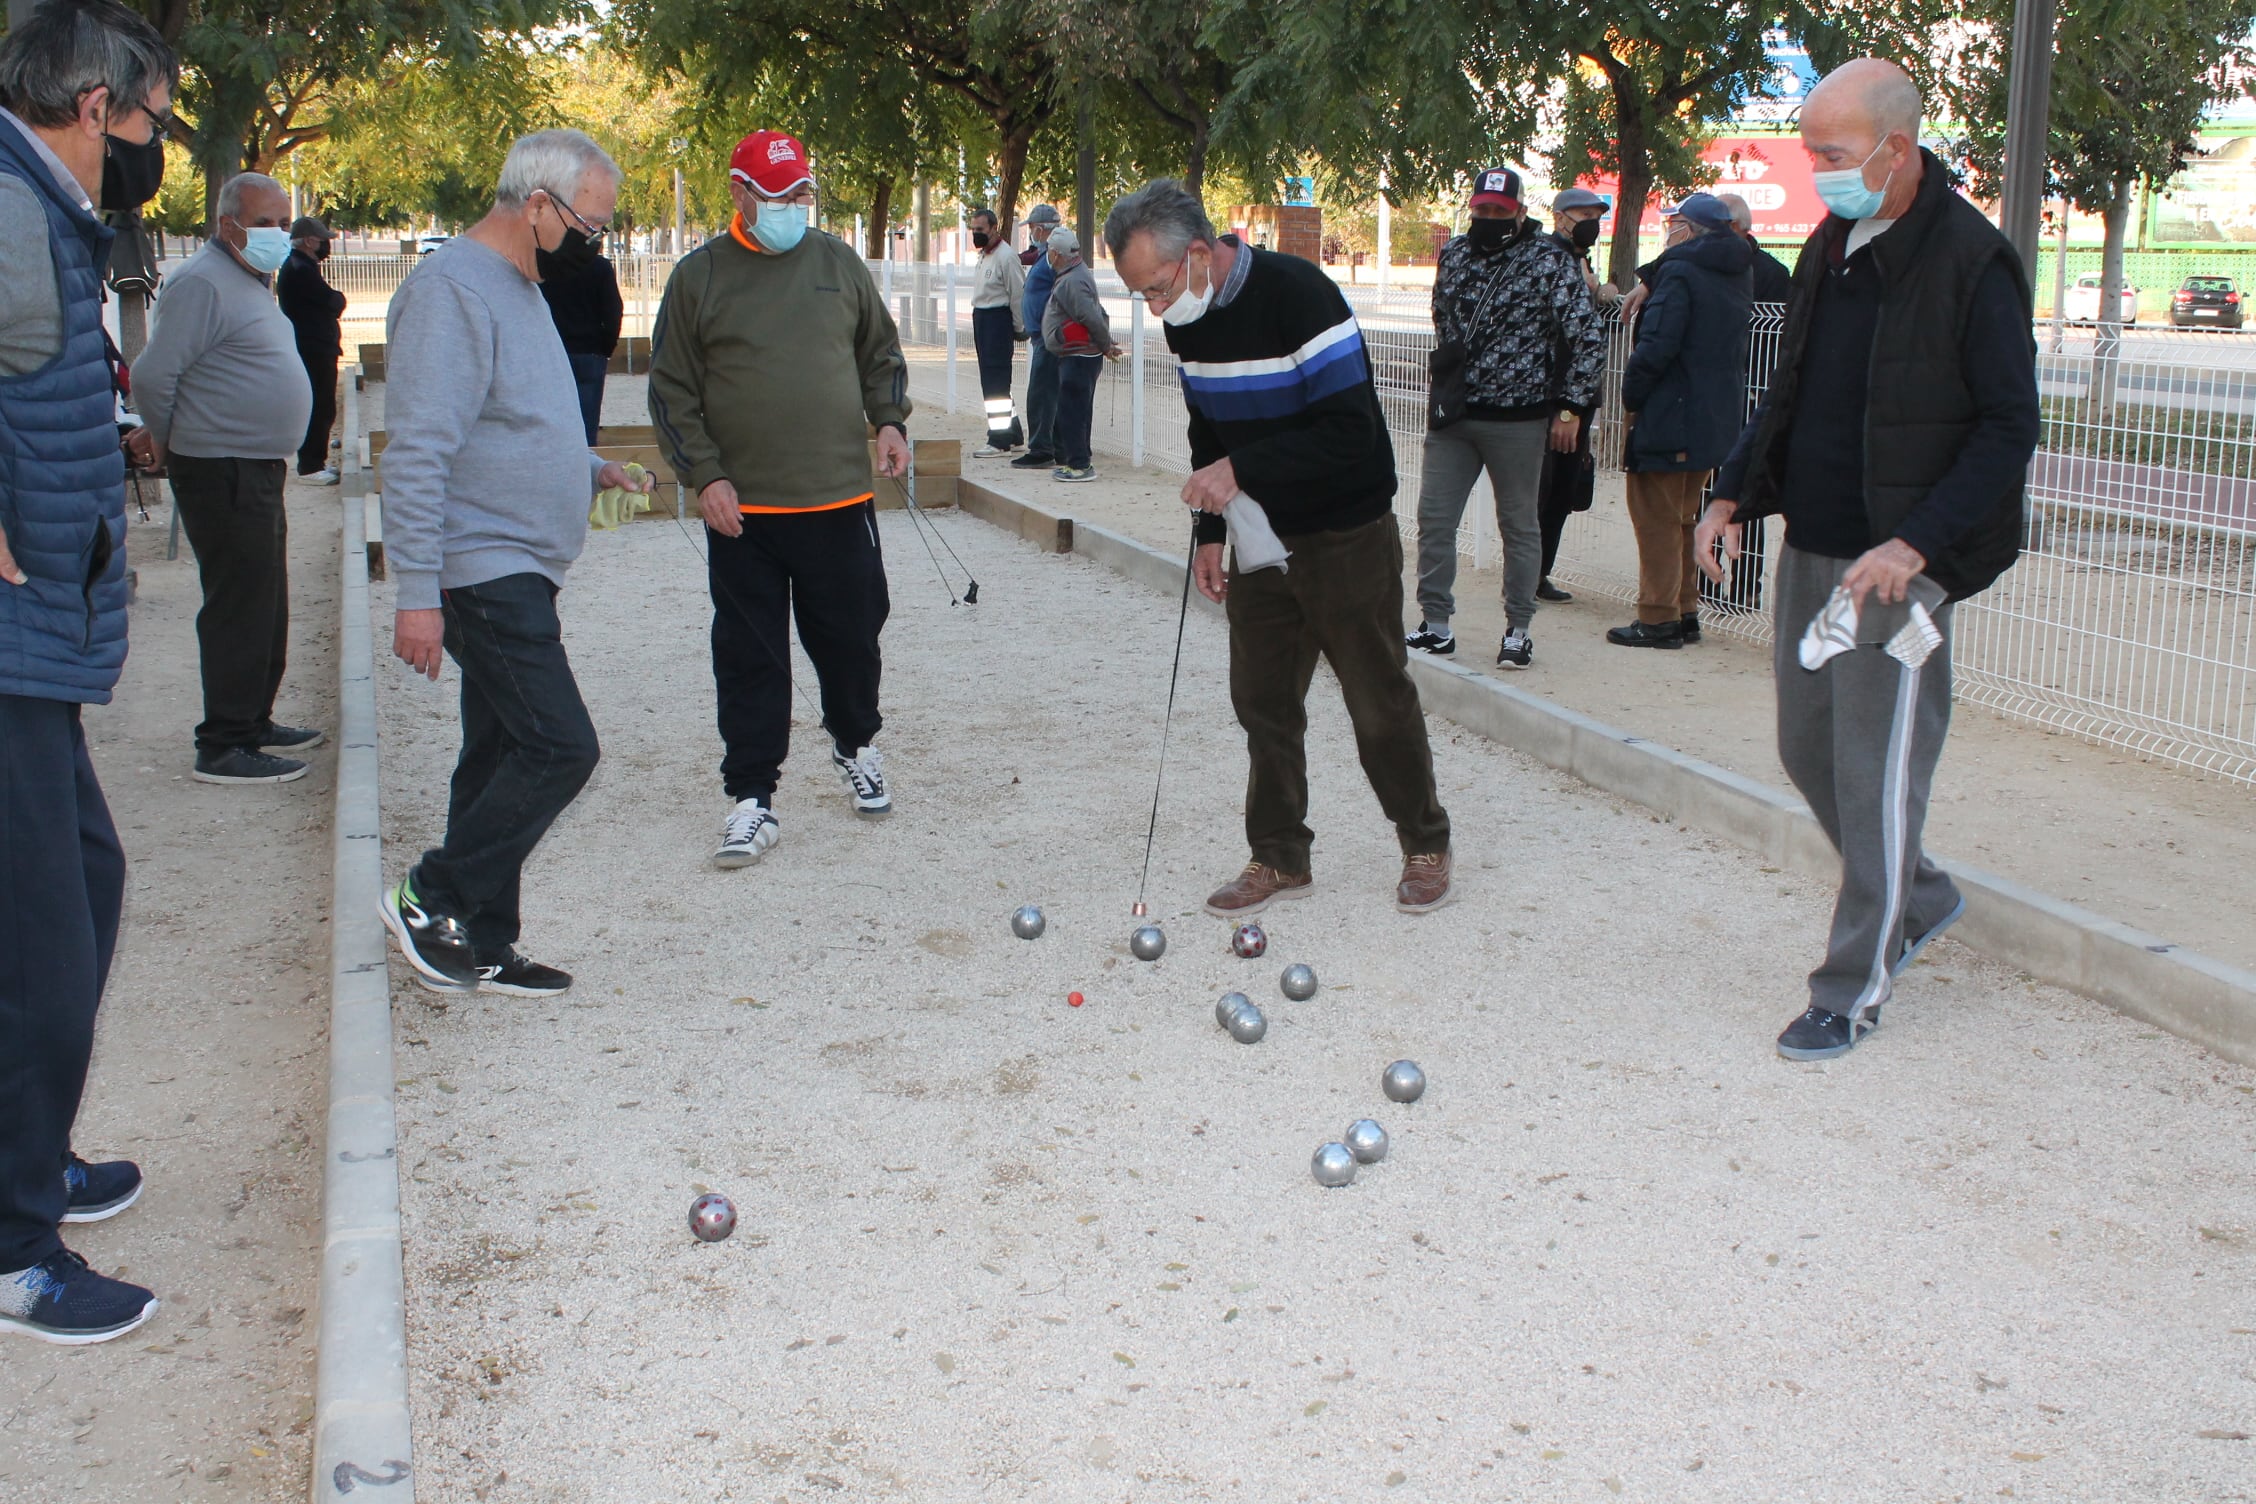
(772, 358)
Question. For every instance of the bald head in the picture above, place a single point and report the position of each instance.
(1868, 94)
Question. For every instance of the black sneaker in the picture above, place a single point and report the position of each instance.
(1691, 626)
(1546, 591)
(99, 1191)
(514, 976)
(1034, 459)
(1645, 634)
(1518, 650)
(864, 777)
(246, 765)
(434, 943)
(60, 1300)
(292, 738)
(1431, 640)
(1819, 1035)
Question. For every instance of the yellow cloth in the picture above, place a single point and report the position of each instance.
(616, 504)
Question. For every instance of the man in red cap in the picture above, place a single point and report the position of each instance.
(772, 358)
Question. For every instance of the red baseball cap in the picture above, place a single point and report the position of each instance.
(770, 163)
(1499, 186)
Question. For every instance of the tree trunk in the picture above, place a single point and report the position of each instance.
(1194, 168)
(2107, 344)
(880, 221)
(1010, 171)
(1636, 181)
(1085, 177)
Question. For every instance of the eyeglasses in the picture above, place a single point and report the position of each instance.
(1159, 289)
(591, 231)
(164, 122)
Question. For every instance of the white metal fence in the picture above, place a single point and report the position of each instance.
(2131, 619)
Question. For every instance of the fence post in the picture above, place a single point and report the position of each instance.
(1136, 382)
(951, 336)
(886, 272)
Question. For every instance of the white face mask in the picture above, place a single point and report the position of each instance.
(1191, 306)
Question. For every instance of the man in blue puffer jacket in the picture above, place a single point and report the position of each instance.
(1686, 389)
(85, 86)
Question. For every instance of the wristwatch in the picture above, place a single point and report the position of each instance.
(1569, 415)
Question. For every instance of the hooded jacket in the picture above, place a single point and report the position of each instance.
(1687, 374)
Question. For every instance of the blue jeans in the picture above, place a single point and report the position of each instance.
(62, 886)
(1041, 399)
(528, 749)
(1077, 406)
(587, 375)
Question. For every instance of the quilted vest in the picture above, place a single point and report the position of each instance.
(62, 478)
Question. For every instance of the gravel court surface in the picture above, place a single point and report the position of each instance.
(993, 1247)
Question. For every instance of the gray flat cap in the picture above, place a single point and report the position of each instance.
(1576, 198)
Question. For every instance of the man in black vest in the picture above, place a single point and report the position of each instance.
(1895, 441)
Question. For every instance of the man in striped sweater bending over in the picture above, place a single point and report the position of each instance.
(1291, 465)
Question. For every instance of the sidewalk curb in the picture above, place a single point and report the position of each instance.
(2201, 999)
(361, 1434)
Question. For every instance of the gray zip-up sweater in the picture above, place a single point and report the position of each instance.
(1074, 300)
(486, 469)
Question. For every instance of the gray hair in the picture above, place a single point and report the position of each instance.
(554, 162)
(1742, 217)
(1163, 209)
(231, 192)
(67, 48)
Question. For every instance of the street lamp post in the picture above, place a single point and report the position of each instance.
(2028, 123)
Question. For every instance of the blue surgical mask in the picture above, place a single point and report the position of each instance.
(265, 248)
(1845, 191)
(778, 227)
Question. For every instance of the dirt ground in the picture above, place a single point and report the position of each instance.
(997, 1247)
(209, 1071)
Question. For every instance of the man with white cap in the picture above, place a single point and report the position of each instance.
(1078, 337)
(772, 359)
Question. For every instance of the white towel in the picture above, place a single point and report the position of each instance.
(1255, 543)
(1838, 628)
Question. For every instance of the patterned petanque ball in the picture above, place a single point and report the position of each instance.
(712, 1217)
(1249, 941)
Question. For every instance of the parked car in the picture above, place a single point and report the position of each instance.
(2206, 302)
(426, 244)
(2082, 303)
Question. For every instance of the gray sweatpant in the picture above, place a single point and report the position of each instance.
(1859, 736)
(1512, 453)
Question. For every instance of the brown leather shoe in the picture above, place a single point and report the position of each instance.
(1425, 883)
(1250, 891)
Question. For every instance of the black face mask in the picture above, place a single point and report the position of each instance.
(1488, 234)
(132, 172)
(982, 239)
(321, 251)
(1584, 234)
(575, 253)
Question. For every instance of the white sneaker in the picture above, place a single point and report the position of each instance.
(991, 451)
(864, 777)
(746, 834)
(327, 477)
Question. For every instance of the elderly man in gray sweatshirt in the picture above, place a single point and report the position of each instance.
(222, 391)
(486, 483)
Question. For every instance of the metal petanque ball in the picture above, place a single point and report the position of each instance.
(1367, 1141)
(1333, 1166)
(1403, 1081)
(1027, 923)
(1229, 1003)
(712, 1217)
(1149, 942)
(1298, 982)
(1248, 1025)
(1249, 941)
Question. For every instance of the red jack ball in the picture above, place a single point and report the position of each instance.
(1074, 999)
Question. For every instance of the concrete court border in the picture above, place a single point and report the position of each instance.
(362, 1423)
(2197, 997)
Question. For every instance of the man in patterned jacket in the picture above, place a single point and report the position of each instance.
(1519, 347)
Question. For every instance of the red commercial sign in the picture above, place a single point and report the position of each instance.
(1772, 173)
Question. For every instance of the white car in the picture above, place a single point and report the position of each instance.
(2081, 306)
(426, 244)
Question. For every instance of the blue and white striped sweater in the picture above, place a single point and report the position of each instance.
(1226, 391)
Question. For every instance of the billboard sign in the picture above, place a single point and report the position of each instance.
(1772, 173)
